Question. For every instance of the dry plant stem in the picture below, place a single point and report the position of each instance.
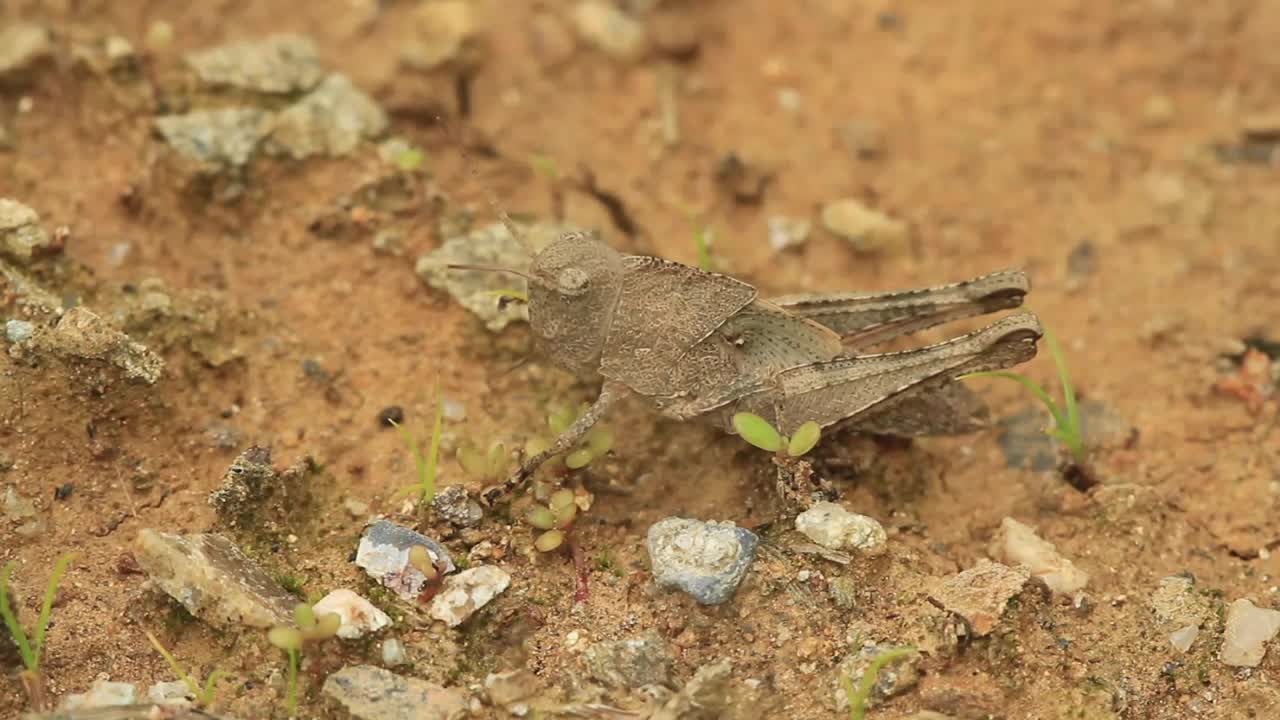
(34, 685)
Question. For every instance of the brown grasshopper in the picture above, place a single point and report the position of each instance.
(701, 344)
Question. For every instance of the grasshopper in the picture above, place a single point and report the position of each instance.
(701, 344)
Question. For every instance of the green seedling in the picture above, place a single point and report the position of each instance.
(1066, 427)
(203, 693)
(307, 628)
(596, 444)
(757, 431)
(410, 159)
(556, 520)
(31, 648)
(858, 696)
(702, 239)
(424, 463)
(483, 465)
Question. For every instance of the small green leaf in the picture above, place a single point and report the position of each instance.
(560, 419)
(497, 460)
(327, 625)
(541, 517)
(410, 159)
(304, 615)
(285, 638)
(600, 440)
(804, 438)
(579, 459)
(536, 445)
(757, 431)
(473, 462)
(561, 499)
(549, 540)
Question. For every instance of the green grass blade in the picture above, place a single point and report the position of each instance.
(702, 239)
(173, 665)
(1072, 424)
(1029, 384)
(206, 697)
(46, 608)
(858, 698)
(433, 455)
(10, 616)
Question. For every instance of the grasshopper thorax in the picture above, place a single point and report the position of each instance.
(574, 287)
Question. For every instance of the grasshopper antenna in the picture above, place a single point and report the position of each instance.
(507, 222)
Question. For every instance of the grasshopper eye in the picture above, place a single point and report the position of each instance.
(572, 281)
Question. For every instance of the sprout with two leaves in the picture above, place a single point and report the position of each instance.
(797, 482)
(307, 628)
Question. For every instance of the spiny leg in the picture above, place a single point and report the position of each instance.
(572, 435)
(867, 319)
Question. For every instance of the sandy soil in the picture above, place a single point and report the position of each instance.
(1073, 139)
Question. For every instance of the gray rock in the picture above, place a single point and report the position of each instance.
(491, 246)
(277, 64)
(217, 140)
(704, 697)
(1184, 637)
(331, 120)
(213, 579)
(1026, 445)
(455, 506)
(372, 693)
(981, 593)
(868, 230)
(630, 663)
(22, 46)
(20, 233)
(384, 555)
(359, 616)
(16, 331)
(82, 334)
(468, 591)
(509, 689)
(103, 693)
(707, 560)
(832, 526)
(606, 27)
(174, 692)
(22, 513)
(1248, 630)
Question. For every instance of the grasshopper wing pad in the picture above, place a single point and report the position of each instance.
(665, 309)
(866, 319)
(950, 409)
(850, 388)
(752, 347)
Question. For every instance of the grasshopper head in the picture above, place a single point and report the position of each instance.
(574, 286)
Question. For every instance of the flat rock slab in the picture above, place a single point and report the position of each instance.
(213, 579)
(372, 693)
(1248, 630)
(980, 594)
(276, 64)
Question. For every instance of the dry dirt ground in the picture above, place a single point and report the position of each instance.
(1099, 146)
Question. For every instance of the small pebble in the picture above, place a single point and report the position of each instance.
(384, 554)
(393, 652)
(1248, 630)
(832, 526)
(468, 591)
(608, 28)
(867, 230)
(103, 693)
(16, 331)
(1018, 544)
(787, 232)
(707, 560)
(1183, 638)
(359, 616)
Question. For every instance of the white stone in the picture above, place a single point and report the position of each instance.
(359, 616)
(174, 692)
(103, 693)
(832, 526)
(1018, 544)
(1249, 629)
(393, 653)
(468, 591)
(1183, 638)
